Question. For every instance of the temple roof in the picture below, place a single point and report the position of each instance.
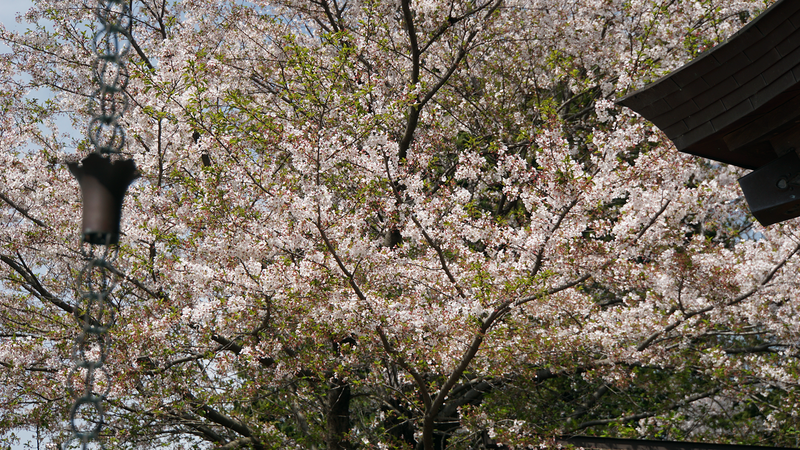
(636, 444)
(739, 102)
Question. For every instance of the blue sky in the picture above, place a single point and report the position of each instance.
(8, 11)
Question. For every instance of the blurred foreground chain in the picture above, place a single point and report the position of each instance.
(89, 382)
(111, 45)
(103, 177)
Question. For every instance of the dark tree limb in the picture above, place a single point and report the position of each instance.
(415, 109)
(763, 348)
(652, 338)
(33, 283)
(337, 417)
(23, 211)
(218, 418)
(644, 415)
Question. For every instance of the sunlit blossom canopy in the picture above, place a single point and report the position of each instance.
(391, 224)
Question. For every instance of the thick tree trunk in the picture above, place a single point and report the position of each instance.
(338, 420)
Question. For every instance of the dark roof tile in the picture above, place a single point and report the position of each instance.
(658, 107)
(687, 94)
(675, 130)
(653, 92)
(675, 114)
(732, 114)
(716, 92)
(788, 45)
(743, 92)
(783, 65)
(723, 53)
(756, 126)
(735, 96)
(767, 59)
(693, 136)
(734, 64)
(774, 88)
(778, 13)
(771, 39)
(704, 115)
(687, 74)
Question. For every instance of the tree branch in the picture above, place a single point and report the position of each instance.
(23, 211)
(540, 252)
(476, 392)
(423, 387)
(220, 419)
(763, 348)
(469, 355)
(447, 24)
(33, 282)
(140, 52)
(596, 396)
(442, 260)
(650, 339)
(644, 415)
(236, 443)
(652, 221)
(408, 18)
(339, 262)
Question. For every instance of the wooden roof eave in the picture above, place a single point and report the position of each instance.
(738, 102)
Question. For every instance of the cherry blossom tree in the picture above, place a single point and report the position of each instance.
(394, 224)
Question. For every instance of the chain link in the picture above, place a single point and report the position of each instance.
(89, 381)
(111, 44)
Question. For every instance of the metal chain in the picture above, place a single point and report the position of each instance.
(89, 381)
(111, 44)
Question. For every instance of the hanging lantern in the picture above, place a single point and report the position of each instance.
(103, 184)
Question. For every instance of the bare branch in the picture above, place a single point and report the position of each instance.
(647, 342)
(652, 221)
(644, 415)
(34, 284)
(23, 211)
(339, 262)
(540, 252)
(408, 18)
(426, 396)
(447, 24)
(236, 443)
(763, 348)
(220, 419)
(554, 290)
(472, 350)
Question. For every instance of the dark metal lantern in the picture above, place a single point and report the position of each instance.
(738, 103)
(103, 184)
